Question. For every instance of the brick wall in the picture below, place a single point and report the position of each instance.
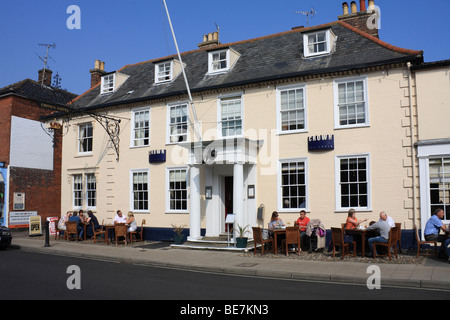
(42, 188)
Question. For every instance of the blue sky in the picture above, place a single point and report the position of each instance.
(126, 32)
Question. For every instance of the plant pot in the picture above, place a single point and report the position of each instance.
(178, 238)
(241, 242)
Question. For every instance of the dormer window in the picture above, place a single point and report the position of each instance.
(164, 72)
(108, 83)
(318, 43)
(219, 61)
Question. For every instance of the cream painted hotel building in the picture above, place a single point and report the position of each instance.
(321, 119)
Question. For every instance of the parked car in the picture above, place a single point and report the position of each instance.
(5, 237)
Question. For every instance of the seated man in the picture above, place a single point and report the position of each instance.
(119, 218)
(76, 218)
(302, 222)
(433, 227)
(382, 228)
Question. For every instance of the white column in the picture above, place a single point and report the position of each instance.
(238, 195)
(194, 216)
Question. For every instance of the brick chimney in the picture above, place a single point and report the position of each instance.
(210, 40)
(97, 72)
(365, 19)
(45, 77)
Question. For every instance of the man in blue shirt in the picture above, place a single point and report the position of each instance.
(433, 227)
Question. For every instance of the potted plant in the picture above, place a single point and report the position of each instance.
(178, 238)
(241, 240)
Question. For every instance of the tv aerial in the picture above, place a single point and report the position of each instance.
(311, 13)
(45, 59)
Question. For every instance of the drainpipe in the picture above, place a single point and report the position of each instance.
(413, 154)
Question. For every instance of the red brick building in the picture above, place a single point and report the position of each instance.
(30, 154)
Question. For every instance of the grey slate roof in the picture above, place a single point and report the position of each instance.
(33, 90)
(272, 57)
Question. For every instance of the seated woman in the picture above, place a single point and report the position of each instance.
(91, 218)
(131, 222)
(350, 224)
(275, 221)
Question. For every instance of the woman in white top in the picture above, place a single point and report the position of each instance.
(131, 222)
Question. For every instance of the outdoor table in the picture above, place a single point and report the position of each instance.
(108, 227)
(363, 233)
(276, 233)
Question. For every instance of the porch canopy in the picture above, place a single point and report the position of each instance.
(236, 151)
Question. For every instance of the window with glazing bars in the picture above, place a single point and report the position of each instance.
(352, 103)
(91, 190)
(77, 190)
(141, 128)
(354, 184)
(177, 189)
(231, 121)
(140, 191)
(85, 138)
(178, 126)
(440, 185)
(292, 110)
(293, 185)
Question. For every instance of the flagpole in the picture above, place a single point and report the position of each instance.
(191, 101)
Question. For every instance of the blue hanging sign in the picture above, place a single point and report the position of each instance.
(156, 156)
(321, 142)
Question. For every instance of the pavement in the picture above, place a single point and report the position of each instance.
(430, 274)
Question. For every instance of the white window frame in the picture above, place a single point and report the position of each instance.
(80, 139)
(132, 208)
(161, 75)
(327, 41)
(229, 97)
(339, 207)
(75, 191)
(87, 197)
(211, 61)
(336, 83)
(168, 209)
(133, 138)
(168, 122)
(107, 84)
(282, 89)
(427, 152)
(280, 185)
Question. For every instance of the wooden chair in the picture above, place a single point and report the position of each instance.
(58, 231)
(121, 231)
(399, 225)
(71, 228)
(337, 236)
(292, 237)
(420, 243)
(135, 233)
(392, 242)
(258, 239)
(101, 231)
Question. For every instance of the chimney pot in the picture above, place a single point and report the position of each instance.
(209, 40)
(354, 7)
(97, 72)
(345, 7)
(362, 5)
(371, 5)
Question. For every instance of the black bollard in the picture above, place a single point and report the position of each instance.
(47, 234)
